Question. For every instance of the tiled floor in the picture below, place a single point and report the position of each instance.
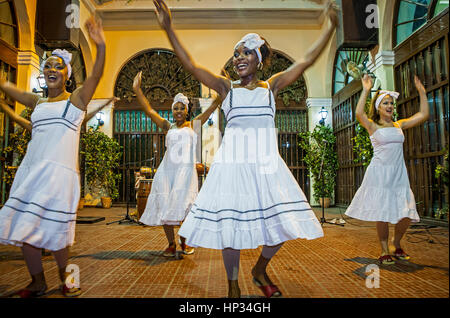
(125, 260)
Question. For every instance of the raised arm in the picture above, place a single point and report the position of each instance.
(218, 83)
(283, 79)
(203, 117)
(424, 112)
(360, 113)
(94, 111)
(149, 111)
(15, 117)
(26, 98)
(82, 96)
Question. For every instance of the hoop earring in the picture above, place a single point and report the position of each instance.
(69, 83)
(260, 66)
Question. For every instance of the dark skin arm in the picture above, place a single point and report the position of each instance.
(15, 117)
(145, 104)
(82, 96)
(283, 79)
(92, 113)
(203, 117)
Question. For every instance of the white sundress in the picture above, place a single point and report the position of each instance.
(42, 204)
(175, 184)
(385, 194)
(250, 197)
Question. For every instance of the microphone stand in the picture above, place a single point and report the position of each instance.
(127, 217)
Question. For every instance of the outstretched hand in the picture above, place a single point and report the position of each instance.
(137, 82)
(419, 86)
(163, 14)
(95, 30)
(367, 82)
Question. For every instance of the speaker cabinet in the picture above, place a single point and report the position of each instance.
(358, 24)
(57, 23)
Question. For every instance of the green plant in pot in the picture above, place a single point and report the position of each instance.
(319, 146)
(101, 157)
(17, 148)
(441, 172)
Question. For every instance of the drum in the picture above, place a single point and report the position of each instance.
(145, 186)
(146, 172)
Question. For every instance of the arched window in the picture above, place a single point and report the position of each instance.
(341, 77)
(143, 142)
(163, 77)
(8, 71)
(413, 14)
(8, 24)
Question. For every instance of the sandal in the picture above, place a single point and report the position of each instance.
(268, 290)
(401, 255)
(186, 249)
(70, 292)
(26, 293)
(386, 260)
(171, 251)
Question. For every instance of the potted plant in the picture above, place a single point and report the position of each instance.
(441, 172)
(101, 158)
(321, 160)
(15, 151)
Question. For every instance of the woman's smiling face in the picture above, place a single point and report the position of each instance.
(55, 72)
(245, 61)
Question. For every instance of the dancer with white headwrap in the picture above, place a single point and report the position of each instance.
(250, 198)
(385, 195)
(175, 184)
(41, 209)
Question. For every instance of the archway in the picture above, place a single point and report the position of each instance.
(143, 143)
(9, 42)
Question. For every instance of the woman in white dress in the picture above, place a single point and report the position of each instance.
(40, 212)
(385, 195)
(175, 184)
(250, 198)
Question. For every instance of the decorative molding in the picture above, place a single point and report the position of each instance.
(382, 58)
(28, 58)
(212, 14)
(319, 102)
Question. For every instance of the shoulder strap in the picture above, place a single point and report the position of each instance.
(231, 95)
(67, 108)
(270, 94)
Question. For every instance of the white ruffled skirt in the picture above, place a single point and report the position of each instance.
(41, 209)
(241, 208)
(174, 189)
(384, 195)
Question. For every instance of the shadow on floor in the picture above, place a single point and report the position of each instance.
(152, 258)
(398, 267)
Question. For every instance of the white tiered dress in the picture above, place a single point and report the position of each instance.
(42, 205)
(250, 198)
(175, 184)
(385, 194)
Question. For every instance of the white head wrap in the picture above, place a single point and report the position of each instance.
(383, 94)
(252, 41)
(180, 98)
(66, 57)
